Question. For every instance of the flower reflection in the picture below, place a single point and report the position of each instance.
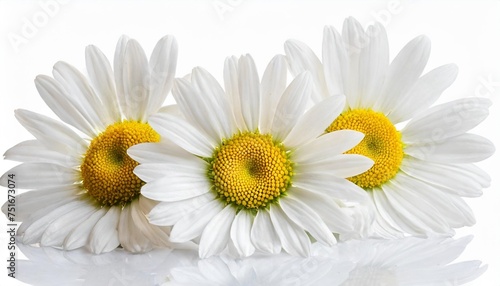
(408, 261)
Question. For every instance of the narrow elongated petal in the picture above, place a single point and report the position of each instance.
(293, 239)
(302, 58)
(291, 105)
(40, 175)
(249, 91)
(308, 219)
(163, 63)
(446, 120)
(192, 224)
(327, 146)
(51, 133)
(82, 96)
(271, 89)
(424, 92)
(314, 122)
(136, 80)
(403, 72)
(240, 233)
(64, 104)
(216, 234)
(183, 134)
(79, 236)
(263, 234)
(335, 61)
(465, 148)
(104, 235)
(103, 80)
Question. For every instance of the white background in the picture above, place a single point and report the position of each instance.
(34, 35)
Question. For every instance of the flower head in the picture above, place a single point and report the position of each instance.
(246, 168)
(421, 170)
(85, 192)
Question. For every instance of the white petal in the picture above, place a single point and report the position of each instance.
(216, 234)
(30, 202)
(454, 179)
(212, 98)
(446, 120)
(354, 39)
(424, 93)
(240, 233)
(249, 91)
(104, 235)
(40, 175)
(327, 208)
(130, 238)
(403, 72)
(293, 239)
(64, 104)
(82, 96)
(56, 232)
(341, 166)
(175, 187)
(33, 233)
(454, 216)
(51, 133)
(335, 62)
(183, 134)
(103, 80)
(79, 236)
(465, 148)
(232, 90)
(136, 79)
(193, 224)
(158, 235)
(291, 106)
(301, 58)
(315, 121)
(140, 229)
(263, 235)
(307, 219)
(118, 69)
(153, 171)
(168, 213)
(32, 151)
(161, 152)
(422, 217)
(163, 63)
(326, 146)
(331, 185)
(373, 66)
(272, 86)
(388, 216)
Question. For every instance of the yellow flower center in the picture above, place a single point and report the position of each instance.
(107, 170)
(250, 171)
(382, 143)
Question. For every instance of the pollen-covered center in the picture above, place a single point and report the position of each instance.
(382, 143)
(107, 170)
(250, 171)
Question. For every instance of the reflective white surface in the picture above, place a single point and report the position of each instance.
(464, 32)
(409, 261)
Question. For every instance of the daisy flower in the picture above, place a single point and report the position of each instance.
(422, 169)
(84, 191)
(248, 171)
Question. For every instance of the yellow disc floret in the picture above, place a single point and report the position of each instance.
(250, 171)
(107, 170)
(382, 143)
